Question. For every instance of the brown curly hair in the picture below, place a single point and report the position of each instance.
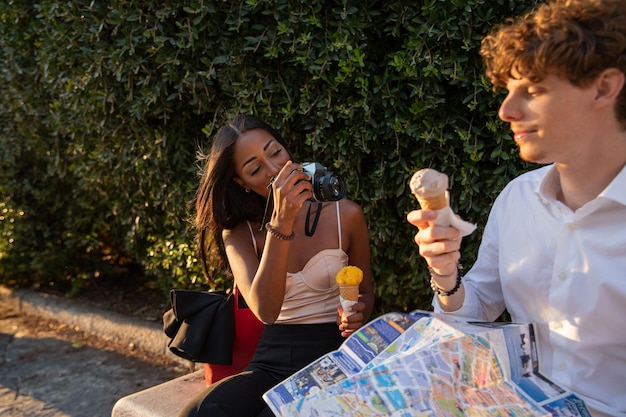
(573, 39)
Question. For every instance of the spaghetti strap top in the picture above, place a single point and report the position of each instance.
(312, 294)
(256, 249)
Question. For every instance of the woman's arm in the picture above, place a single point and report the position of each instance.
(358, 251)
(262, 283)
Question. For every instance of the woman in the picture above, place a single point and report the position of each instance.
(254, 207)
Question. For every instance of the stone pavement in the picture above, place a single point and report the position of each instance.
(60, 359)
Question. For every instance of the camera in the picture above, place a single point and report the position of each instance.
(327, 186)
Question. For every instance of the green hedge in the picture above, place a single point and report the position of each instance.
(103, 106)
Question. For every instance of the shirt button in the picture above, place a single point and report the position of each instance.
(571, 226)
(562, 276)
(562, 366)
(558, 325)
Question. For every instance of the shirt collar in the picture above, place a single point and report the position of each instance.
(616, 190)
(549, 186)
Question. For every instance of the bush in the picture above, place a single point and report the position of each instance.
(103, 106)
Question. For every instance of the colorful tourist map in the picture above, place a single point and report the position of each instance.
(422, 364)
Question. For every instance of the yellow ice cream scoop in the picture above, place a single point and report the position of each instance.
(349, 275)
(348, 278)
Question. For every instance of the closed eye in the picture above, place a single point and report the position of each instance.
(535, 91)
(272, 153)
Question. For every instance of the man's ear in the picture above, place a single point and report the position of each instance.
(608, 85)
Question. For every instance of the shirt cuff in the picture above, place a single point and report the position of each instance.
(466, 310)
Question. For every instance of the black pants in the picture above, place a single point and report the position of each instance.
(282, 351)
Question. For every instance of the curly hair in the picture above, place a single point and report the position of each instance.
(573, 39)
(220, 202)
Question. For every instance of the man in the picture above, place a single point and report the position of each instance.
(554, 248)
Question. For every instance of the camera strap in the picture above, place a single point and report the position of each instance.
(310, 231)
(270, 197)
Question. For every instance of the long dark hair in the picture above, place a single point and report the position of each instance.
(221, 203)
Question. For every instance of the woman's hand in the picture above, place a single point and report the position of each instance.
(438, 245)
(350, 321)
(290, 188)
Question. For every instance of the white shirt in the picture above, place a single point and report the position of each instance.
(564, 271)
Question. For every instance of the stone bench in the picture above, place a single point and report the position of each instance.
(164, 400)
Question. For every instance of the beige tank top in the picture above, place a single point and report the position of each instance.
(312, 295)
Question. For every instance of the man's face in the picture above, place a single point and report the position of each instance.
(549, 119)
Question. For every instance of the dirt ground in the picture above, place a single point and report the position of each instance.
(51, 369)
(80, 339)
(131, 296)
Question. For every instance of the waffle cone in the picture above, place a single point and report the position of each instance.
(349, 292)
(437, 202)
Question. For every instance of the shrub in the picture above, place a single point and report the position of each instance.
(103, 106)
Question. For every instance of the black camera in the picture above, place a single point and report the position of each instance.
(327, 186)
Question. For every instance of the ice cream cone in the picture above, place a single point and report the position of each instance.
(348, 296)
(349, 292)
(437, 202)
(348, 280)
(429, 187)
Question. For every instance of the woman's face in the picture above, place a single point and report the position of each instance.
(258, 157)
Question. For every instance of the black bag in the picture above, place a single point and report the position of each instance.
(201, 325)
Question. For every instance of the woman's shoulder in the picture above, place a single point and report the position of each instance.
(242, 237)
(241, 229)
(350, 209)
(344, 202)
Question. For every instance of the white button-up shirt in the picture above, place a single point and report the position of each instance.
(565, 271)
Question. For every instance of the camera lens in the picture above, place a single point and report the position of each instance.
(330, 187)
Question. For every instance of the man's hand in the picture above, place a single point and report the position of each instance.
(438, 245)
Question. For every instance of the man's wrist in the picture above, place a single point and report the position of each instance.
(434, 274)
(434, 277)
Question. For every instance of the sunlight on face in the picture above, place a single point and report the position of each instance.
(258, 157)
(548, 118)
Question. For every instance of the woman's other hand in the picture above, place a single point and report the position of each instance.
(350, 321)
